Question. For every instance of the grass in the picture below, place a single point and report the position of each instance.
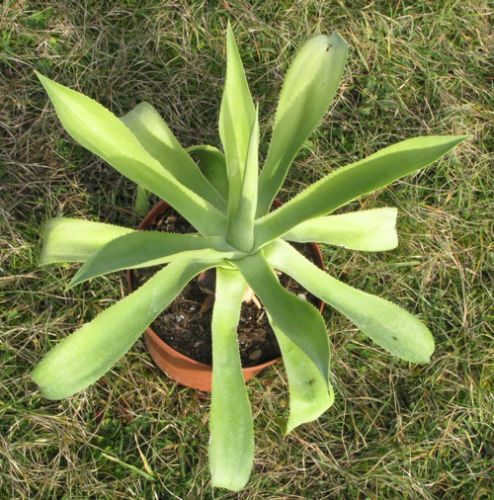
(397, 430)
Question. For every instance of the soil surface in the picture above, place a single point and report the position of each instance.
(185, 324)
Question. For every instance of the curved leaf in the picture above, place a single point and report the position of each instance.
(368, 230)
(213, 165)
(310, 395)
(309, 87)
(156, 137)
(100, 131)
(86, 355)
(75, 240)
(237, 114)
(388, 325)
(145, 249)
(352, 181)
(300, 321)
(231, 446)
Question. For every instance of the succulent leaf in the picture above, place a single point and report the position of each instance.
(231, 448)
(87, 354)
(157, 139)
(100, 131)
(387, 324)
(237, 115)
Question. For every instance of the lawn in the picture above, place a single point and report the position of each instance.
(397, 430)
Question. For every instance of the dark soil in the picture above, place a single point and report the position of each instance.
(185, 324)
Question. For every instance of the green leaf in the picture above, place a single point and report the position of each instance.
(368, 230)
(155, 136)
(231, 447)
(309, 87)
(300, 321)
(388, 325)
(75, 240)
(240, 231)
(237, 114)
(145, 249)
(213, 165)
(352, 181)
(309, 394)
(100, 131)
(141, 205)
(87, 354)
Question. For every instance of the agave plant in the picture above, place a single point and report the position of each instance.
(228, 203)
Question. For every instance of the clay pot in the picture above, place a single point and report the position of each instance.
(184, 370)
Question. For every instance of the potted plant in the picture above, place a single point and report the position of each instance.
(183, 349)
(228, 204)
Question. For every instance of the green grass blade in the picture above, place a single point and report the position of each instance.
(240, 231)
(231, 448)
(300, 321)
(352, 181)
(156, 137)
(87, 354)
(212, 163)
(130, 467)
(75, 240)
(237, 114)
(388, 325)
(368, 230)
(309, 87)
(144, 249)
(100, 131)
(310, 395)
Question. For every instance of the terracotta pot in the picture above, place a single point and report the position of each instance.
(181, 368)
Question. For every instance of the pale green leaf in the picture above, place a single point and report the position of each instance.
(237, 114)
(240, 231)
(75, 240)
(156, 137)
(310, 395)
(141, 205)
(299, 320)
(309, 87)
(148, 248)
(368, 230)
(100, 131)
(86, 355)
(231, 446)
(388, 325)
(213, 165)
(352, 181)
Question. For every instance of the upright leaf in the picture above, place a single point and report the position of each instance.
(388, 325)
(310, 395)
(75, 240)
(237, 114)
(299, 320)
(231, 446)
(352, 181)
(369, 230)
(213, 165)
(141, 205)
(307, 92)
(240, 231)
(100, 131)
(156, 137)
(86, 355)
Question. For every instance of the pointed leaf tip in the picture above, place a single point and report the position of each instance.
(101, 132)
(308, 89)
